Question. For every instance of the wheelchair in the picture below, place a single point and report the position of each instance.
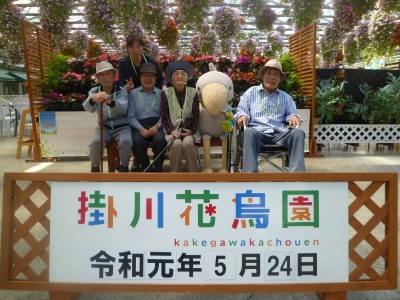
(267, 154)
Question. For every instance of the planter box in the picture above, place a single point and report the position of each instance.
(66, 133)
(305, 125)
(354, 133)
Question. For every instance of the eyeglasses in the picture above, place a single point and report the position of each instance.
(148, 75)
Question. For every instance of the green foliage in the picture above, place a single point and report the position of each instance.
(391, 92)
(57, 68)
(380, 106)
(328, 99)
(292, 84)
(361, 109)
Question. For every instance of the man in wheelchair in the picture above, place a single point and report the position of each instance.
(264, 110)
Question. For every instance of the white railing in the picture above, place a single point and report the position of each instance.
(357, 133)
(9, 98)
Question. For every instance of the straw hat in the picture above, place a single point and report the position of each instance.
(275, 64)
(178, 65)
(104, 66)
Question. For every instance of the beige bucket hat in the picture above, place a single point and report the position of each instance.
(104, 66)
(275, 64)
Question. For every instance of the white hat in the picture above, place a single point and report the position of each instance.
(104, 66)
(275, 64)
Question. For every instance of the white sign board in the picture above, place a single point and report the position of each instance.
(199, 232)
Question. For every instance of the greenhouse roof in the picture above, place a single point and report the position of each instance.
(77, 19)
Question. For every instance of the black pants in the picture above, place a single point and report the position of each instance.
(141, 144)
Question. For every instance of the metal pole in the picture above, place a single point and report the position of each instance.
(101, 136)
(181, 127)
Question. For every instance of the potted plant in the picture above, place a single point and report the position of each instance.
(58, 66)
(169, 35)
(329, 99)
(378, 107)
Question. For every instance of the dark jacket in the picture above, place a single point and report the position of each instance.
(125, 71)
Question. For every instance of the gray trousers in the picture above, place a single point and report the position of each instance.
(184, 148)
(293, 140)
(123, 135)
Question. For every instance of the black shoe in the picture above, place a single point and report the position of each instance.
(123, 169)
(95, 170)
(135, 167)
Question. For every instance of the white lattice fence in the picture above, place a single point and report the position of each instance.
(10, 98)
(352, 133)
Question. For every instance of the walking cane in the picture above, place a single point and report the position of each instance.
(185, 124)
(101, 137)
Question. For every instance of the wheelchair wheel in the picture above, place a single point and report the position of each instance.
(234, 151)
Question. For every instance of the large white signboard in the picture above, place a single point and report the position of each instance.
(199, 233)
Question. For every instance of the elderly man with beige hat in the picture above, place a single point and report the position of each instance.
(264, 110)
(114, 101)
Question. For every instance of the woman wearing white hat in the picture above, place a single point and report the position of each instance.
(180, 105)
(265, 109)
(114, 100)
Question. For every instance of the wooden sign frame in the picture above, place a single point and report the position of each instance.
(373, 223)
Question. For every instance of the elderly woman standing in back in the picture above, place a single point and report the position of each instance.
(180, 105)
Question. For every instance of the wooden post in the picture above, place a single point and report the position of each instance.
(302, 49)
(37, 56)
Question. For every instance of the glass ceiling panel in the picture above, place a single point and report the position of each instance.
(77, 21)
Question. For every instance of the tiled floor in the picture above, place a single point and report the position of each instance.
(337, 158)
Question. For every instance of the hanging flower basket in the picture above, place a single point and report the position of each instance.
(330, 43)
(389, 6)
(169, 35)
(265, 19)
(190, 14)
(100, 21)
(344, 18)
(362, 37)
(80, 40)
(382, 29)
(208, 43)
(152, 14)
(301, 14)
(227, 22)
(10, 29)
(54, 18)
(350, 48)
(252, 7)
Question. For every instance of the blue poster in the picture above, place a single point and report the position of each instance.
(47, 122)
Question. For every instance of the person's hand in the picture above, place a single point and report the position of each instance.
(186, 132)
(143, 132)
(101, 97)
(243, 120)
(294, 121)
(176, 134)
(153, 130)
(164, 87)
(129, 84)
